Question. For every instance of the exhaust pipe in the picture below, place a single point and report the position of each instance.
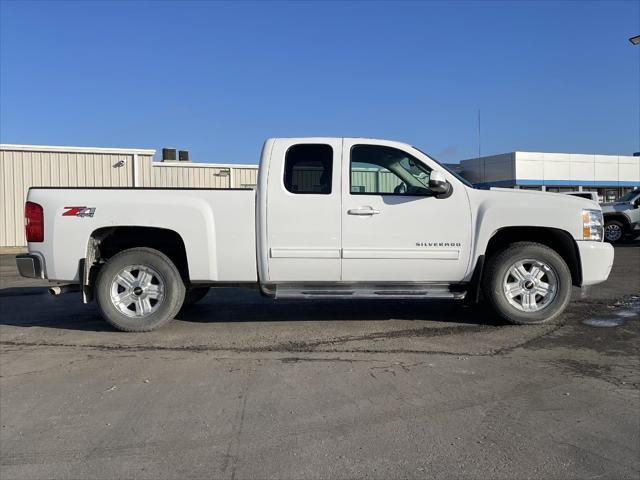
(59, 289)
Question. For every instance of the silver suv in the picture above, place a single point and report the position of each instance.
(622, 217)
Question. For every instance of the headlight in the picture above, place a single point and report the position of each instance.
(592, 225)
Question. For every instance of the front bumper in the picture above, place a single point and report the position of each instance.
(596, 259)
(29, 265)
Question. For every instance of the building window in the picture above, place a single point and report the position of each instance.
(308, 169)
(608, 194)
(562, 189)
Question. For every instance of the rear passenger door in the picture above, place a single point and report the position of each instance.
(303, 214)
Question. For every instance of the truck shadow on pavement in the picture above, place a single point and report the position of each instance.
(33, 307)
(238, 306)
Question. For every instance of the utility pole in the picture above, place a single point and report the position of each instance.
(479, 145)
(635, 41)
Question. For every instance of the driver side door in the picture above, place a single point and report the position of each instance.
(393, 228)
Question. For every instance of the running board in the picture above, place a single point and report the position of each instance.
(404, 291)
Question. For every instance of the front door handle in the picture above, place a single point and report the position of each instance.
(363, 211)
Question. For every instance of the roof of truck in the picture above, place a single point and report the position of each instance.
(338, 138)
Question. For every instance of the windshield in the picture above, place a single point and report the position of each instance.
(629, 196)
(457, 175)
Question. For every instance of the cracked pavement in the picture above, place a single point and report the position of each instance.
(245, 387)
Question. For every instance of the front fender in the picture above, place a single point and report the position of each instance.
(496, 210)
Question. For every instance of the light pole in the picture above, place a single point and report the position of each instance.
(635, 41)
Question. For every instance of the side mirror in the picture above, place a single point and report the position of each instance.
(438, 184)
(637, 202)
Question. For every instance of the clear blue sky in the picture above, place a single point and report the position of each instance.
(218, 78)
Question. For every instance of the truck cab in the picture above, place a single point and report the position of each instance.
(356, 210)
(331, 218)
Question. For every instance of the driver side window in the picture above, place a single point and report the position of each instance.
(381, 170)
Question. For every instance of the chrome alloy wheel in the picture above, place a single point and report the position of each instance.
(137, 291)
(613, 232)
(530, 285)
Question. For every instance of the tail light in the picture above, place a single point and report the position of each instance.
(34, 222)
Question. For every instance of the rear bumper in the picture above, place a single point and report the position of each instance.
(596, 259)
(29, 265)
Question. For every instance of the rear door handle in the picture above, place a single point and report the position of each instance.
(363, 211)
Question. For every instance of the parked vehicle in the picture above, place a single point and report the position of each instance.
(331, 218)
(622, 217)
(584, 194)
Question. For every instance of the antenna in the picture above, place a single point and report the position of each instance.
(479, 150)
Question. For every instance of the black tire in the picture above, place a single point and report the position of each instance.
(497, 269)
(194, 295)
(168, 306)
(618, 226)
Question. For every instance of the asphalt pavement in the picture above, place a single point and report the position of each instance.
(240, 386)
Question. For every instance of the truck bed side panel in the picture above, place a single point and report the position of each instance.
(216, 226)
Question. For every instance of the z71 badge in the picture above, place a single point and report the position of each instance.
(79, 212)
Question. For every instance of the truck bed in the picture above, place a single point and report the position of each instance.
(216, 226)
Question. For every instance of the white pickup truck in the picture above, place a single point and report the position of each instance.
(331, 218)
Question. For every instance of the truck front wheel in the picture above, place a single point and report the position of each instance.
(139, 289)
(528, 283)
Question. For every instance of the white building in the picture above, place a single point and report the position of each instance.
(610, 175)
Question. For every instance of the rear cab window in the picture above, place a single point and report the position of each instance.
(308, 169)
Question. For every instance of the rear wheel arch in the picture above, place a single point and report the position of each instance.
(106, 242)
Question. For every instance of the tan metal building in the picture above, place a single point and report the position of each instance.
(24, 166)
(196, 175)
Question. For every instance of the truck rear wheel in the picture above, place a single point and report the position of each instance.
(528, 283)
(139, 290)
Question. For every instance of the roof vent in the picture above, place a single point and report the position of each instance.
(183, 155)
(168, 154)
